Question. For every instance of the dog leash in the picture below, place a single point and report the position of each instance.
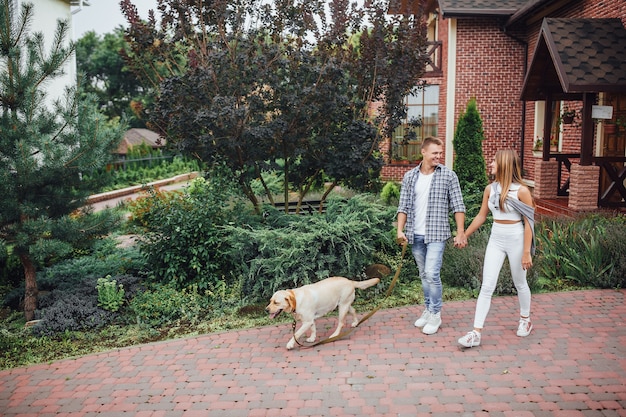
(364, 318)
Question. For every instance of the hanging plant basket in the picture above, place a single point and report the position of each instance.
(568, 120)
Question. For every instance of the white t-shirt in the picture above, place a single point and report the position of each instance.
(422, 189)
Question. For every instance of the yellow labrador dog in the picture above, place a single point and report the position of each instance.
(312, 301)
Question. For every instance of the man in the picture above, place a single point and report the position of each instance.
(429, 192)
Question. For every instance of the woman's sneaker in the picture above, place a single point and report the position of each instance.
(471, 339)
(421, 322)
(524, 327)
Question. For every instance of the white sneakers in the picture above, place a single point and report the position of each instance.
(433, 324)
(472, 338)
(421, 322)
(524, 327)
(429, 322)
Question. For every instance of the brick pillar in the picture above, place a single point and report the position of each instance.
(546, 179)
(583, 188)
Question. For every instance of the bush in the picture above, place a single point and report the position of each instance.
(74, 307)
(183, 239)
(587, 251)
(71, 312)
(164, 304)
(390, 193)
(288, 251)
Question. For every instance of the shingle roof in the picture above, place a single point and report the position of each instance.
(475, 8)
(137, 136)
(575, 56)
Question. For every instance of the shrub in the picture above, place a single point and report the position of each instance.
(390, 193)
(71, 312)
(74, 307)
(469, 163)
(587, 251)
(164, 304)
(184, 237)
(288, 251)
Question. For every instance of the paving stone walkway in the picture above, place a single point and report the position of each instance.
(573, 364)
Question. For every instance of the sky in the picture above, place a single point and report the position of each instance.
(105, 15)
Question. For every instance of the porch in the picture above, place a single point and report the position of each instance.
(591, 174)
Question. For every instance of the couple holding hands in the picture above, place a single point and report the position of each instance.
(429, 193)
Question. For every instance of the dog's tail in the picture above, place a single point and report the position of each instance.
(366, 284)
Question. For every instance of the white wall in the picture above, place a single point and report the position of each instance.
(46, 14)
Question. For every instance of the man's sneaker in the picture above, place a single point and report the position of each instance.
(421, 322)
(524, 328)
(471, 339)
(434, 321)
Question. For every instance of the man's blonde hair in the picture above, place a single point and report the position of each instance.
(431, 140)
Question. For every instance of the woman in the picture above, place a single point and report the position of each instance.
(511, 236)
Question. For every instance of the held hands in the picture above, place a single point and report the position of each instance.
(460, 241)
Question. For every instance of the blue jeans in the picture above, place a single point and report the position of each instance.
(429, 258)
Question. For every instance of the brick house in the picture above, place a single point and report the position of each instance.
(528, 63)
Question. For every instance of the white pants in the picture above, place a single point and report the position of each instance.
(506, 240)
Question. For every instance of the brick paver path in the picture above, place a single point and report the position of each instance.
(573, 364)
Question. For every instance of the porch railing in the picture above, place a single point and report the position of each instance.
(616, 176)
(433, 57)
(607, 164)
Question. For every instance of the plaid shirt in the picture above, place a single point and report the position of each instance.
(444, 197)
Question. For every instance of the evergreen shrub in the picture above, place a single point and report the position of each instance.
(390, 193)
(469, 163)
(290, 251)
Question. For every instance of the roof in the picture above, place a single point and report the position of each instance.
(137, 136)
(574, 56)
(478, 8)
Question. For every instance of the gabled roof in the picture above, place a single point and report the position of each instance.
(574, 56)
(477, 8)
(137, 136)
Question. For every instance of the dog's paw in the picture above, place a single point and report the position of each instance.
(355, 323)
(291, 344)
(311, 339)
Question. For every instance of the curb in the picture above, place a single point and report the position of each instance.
(97, 198)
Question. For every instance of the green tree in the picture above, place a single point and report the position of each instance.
(100, 60)
(43, 150)
(469, 163)
(279, 86)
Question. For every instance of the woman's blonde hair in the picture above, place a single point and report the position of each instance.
(508, 171)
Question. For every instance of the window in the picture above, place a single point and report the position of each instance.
(422, 106)
(555, 130)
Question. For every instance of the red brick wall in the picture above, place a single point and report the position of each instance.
(490, 68)
(395, 172)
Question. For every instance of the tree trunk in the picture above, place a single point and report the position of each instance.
(31, 291)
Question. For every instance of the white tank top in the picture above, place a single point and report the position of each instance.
(494, 203)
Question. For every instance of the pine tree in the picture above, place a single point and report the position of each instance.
(469, 163)
(44, 148)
